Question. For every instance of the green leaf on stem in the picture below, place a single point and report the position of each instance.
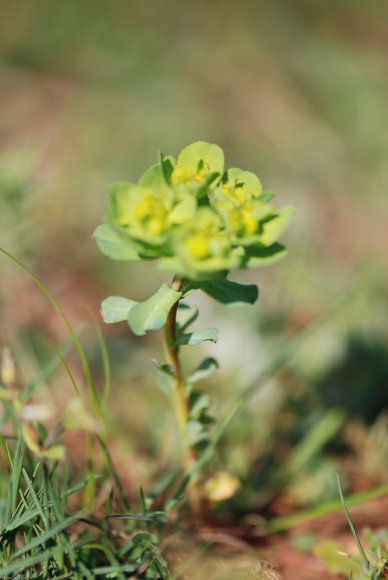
(166, 384)
(198, 430)
(262, 256)
(166, 378)
(199, 404)
(152, 313)
(116, 309)
(204, 369)
(198, 336)
(186, 315)
(164, 368)
(229, 293)
(115, 243)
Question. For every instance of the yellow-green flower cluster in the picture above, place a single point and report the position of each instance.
(199, 219)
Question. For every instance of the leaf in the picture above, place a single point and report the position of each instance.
(154, 517)
(152, 313)
(195, 338)
(116, 309)
(166, 379)
(166, 384)
(199, 404)
(275, 226)
(351, 525)
(186, 315)
(212, 155)
(118, 195)
(141, 538)
(195, 433)
(230, 293)
(166, 165)
(198, 429)
(114, 243)
(164, 368)
(206, 368)
(155, 176)
(260, 256)
(45, 536)
(249, 180)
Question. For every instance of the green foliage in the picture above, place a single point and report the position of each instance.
(204, 370)
(114, 243)
(38, 537)
(196, 337)
(116, 309)
(152, 313)
(226, 292)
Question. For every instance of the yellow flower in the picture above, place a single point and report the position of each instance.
(198, 246)
(142, 211)
(180, 175)
(194, 216)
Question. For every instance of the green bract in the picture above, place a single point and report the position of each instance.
(198, 219)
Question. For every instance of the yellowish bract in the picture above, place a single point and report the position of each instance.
(199, 219)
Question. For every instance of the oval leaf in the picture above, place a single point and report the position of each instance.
(190, 157)
(229, 293)
(194, 338)
(155, 176)
(261, 256)
(207, 366)
(114, 243)
(152, 313)
(116, 309)
(246, 178)
(186, 315)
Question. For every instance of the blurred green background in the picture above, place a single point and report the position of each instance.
(295, 91)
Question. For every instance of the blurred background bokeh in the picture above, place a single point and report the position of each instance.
(296, 91)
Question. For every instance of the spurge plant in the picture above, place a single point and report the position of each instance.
(200, 222)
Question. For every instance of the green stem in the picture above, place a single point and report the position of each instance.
(181, 404)
(181, 400)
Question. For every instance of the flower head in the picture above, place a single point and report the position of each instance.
(194, 216)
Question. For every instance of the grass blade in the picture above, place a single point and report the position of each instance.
(48, 534)
(283, 523)
(353, 529)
